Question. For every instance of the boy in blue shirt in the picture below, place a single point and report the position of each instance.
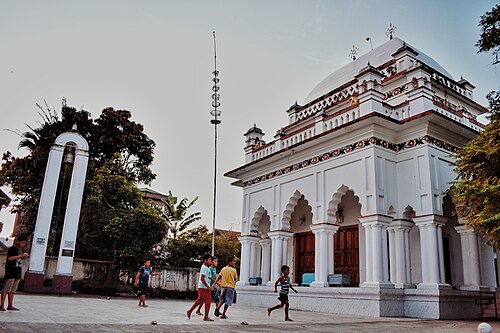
(142, 282)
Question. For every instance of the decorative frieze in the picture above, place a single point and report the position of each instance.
(372, 141)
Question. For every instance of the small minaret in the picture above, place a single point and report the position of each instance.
(253, 137)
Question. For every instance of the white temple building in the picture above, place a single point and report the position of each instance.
(355, 187)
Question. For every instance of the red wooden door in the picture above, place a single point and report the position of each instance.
(304, 254)
(346, 252)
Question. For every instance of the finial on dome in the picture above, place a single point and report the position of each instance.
(74, 128)
(391, 31)
(354, 52)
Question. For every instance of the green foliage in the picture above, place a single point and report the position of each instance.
(112, 134)
(490, 35)
(175, 214)
(478, 187)
(118, 226)
(187, 249)
(478, 163)
(115, 224)
(91, 287)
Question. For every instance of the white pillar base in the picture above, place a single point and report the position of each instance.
(319, 284)
(433, 286)
(378, 285)
(242, 283)
(404, 285)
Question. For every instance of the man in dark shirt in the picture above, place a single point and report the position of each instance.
(142, 281)
(13, 270)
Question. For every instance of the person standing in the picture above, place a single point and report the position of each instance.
(284, 280)
(227, 276)
(142, 282)
(13, 270)
(204, 289)
(213, 278)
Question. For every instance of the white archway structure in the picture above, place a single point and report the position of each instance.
(63, 278)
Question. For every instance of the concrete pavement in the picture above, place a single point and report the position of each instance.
(43, 313)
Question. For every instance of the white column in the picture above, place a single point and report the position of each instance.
(470, 258)
(488, 275)
(323, 240)
(286, 242)
(72, 216)
(442, 274)
(246, 261)
(377, 253)
(424, 252)
(266, 260)
(407, 255)
(400, 266)
(317, 255)
(277, 237)
(331, 263)
(368, 253)
(44, 217)
(400, 257)
(377, 270)
(431, 246)
(392, 255)
(253, 257)
(385, 255)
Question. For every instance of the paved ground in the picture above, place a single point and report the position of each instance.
(42, 313)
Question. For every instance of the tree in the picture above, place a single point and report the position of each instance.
(191, 245)
(120, 155)
(478, 163)
(478, 187)
(120, 227)
(112, 133)
(175, 214)
(490, 35)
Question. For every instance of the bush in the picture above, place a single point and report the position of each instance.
(92, 287)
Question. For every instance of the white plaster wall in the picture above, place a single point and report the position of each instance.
(350, 172)
(257, 196)
(406, 183)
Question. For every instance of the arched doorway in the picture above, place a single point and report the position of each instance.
(300, 222)
(346, 240)
(346, 252)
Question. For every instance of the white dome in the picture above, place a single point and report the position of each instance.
(376, 57)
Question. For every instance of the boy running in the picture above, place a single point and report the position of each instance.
(215, 292)
(204, 288)
(284, 280)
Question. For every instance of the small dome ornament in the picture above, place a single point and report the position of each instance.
(354, 52)
(391, 31)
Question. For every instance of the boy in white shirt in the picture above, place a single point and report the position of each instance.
(204, 288)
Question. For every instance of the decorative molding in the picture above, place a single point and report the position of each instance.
(372, 141)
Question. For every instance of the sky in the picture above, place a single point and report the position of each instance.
(155, 59)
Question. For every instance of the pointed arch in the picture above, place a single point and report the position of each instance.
(290, 207)
(257, 228)
(332, 211)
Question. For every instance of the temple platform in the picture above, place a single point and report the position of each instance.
(431, 303)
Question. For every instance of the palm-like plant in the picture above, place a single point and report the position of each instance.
(175, 214)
